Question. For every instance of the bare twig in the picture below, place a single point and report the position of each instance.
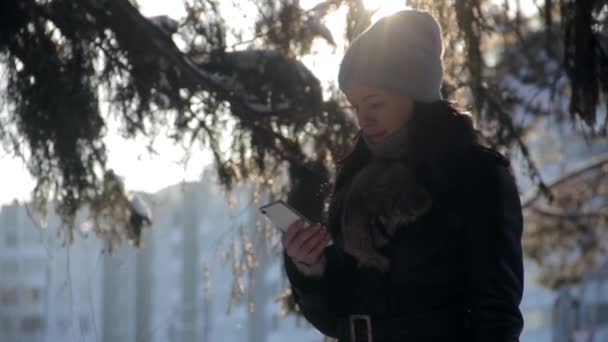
(595, 163)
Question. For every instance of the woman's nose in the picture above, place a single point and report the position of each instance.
(366, 118)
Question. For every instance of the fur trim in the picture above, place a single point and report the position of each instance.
(386, 192)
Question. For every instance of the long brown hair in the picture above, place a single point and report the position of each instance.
(438, 133)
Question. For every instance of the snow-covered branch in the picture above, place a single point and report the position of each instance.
(136, 30)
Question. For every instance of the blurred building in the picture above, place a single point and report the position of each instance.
(591, 309)
(44, 288)
(49, 292)
(24, 279)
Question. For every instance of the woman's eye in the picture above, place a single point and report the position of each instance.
(376, 105)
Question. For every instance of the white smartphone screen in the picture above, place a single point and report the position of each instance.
(282, 214)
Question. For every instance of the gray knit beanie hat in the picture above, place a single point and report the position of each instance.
(400, 53)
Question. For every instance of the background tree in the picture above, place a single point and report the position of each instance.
(63, 59)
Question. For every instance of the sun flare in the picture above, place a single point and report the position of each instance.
(384, 7)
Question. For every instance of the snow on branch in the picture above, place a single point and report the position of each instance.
(136, 30)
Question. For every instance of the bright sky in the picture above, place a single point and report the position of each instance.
(143, 172)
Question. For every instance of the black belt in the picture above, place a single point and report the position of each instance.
(366, 328)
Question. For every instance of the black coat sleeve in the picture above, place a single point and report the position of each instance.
(320, 299)
(497, 272)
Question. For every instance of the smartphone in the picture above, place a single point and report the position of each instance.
(282, 214)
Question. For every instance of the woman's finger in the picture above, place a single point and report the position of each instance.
(298, 233)
(294, 247)
(303, 235)
(290, 234)
(313, 256)
(313, 241)
(312, 244)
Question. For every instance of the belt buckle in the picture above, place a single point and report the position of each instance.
(368, 323)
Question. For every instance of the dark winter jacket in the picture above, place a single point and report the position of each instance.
(457, 272)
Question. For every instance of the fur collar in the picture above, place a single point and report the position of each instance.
(382, 197)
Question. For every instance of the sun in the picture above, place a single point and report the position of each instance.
(384, 7)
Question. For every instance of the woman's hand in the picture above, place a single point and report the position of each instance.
(305, 243)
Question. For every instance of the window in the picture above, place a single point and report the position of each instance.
(85, 326)
(8, 296)
(32, 265)
(602, 314)
(11, 237)
(30, 233)
(32, 324)
(35, 293)
(6, 326)
(9, 267)
(63, 325)
(32, 295)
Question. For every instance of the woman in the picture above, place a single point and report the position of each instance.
(426, 222)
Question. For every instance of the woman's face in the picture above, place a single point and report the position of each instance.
(379, 113)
